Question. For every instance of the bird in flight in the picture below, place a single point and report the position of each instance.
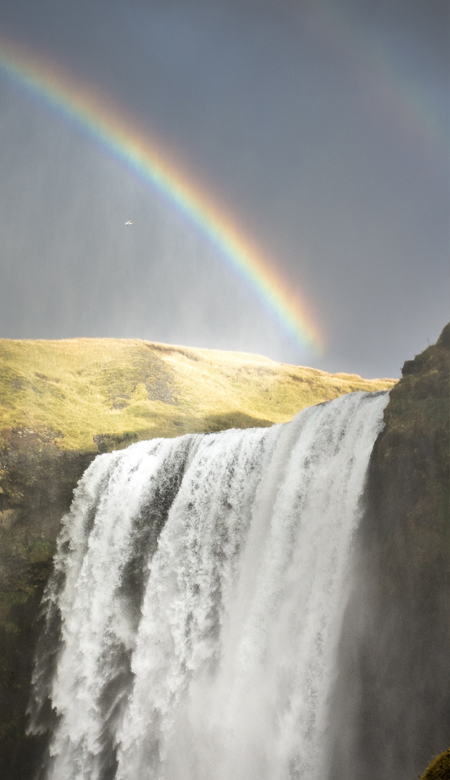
(128, 222)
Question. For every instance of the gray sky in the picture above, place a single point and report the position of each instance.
(320, 126)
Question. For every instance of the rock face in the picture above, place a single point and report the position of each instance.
(37, 484)
(395, 651)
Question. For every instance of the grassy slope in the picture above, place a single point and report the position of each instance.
(118, 390)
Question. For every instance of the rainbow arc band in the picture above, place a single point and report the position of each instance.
(112, 129)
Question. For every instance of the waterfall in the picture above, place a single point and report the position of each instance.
(194, 612)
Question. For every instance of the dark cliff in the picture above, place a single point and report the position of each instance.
(395, 652)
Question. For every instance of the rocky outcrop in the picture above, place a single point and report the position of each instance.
(395, 684)
(439, 769)
(37, 484)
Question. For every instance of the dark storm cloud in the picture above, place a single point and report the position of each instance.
(300, 133)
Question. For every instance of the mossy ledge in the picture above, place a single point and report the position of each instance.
(439, 769)
(65, 401)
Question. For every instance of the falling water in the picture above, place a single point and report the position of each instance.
(193, 617)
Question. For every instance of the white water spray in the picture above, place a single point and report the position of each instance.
(193, 618)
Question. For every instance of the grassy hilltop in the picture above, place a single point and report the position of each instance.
(100, 394)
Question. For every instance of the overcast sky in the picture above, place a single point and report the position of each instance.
(320, 126)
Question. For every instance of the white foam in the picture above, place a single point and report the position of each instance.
(228, 667)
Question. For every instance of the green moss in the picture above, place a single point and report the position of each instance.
(439, 769)
(39, 551)
(8, 600)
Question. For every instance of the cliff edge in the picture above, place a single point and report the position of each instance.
(395, 654)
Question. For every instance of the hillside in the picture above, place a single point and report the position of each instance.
(100, 394)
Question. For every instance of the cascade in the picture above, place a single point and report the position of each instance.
(194, 613)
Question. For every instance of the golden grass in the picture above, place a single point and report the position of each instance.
(76, 389)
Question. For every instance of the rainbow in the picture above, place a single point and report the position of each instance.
(109, 126)
(394, 94)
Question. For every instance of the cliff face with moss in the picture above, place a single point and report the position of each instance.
(396, 646)
(62, 403)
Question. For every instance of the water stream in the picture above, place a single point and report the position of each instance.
(194, 613)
